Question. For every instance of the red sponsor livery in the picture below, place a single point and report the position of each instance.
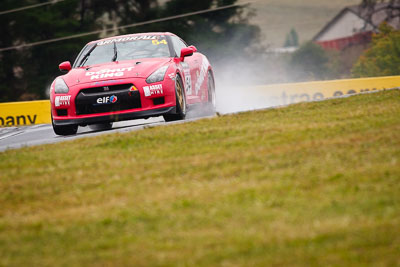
(130, 77)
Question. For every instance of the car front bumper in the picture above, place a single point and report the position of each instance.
(116, 117)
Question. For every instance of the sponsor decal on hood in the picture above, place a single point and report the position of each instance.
(108, 73)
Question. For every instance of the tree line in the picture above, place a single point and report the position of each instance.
(26, 73)
(225, 36)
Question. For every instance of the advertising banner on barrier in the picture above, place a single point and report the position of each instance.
(25, 113)
(38, 112)
(291, 93)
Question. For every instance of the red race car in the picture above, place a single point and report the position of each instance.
(131, 77)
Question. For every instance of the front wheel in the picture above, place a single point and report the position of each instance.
(65, 129)
(180, 102)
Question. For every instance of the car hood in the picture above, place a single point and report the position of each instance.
(141, 68)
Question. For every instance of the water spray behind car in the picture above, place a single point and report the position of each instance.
(236, 79)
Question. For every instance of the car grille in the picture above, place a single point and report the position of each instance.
(86, 100)
(107, 89)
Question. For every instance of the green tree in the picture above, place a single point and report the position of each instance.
(371, 8)
(220, 35)
(309, 62)
(23, 71)
(383, 57)
(292, 39)
(27, 73)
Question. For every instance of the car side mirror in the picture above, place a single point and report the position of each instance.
(186, 52)
(193, 48)
(65, 66)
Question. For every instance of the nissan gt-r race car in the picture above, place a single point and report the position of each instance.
(131, 77)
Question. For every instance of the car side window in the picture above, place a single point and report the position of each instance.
(178, 45)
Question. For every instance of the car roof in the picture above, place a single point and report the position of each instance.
(133, 34)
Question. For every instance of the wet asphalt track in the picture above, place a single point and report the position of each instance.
(17, 137)
(24, 136)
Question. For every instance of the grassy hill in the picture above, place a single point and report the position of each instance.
(314, 184)
(277, 17)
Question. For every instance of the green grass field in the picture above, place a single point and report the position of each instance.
(313, 184)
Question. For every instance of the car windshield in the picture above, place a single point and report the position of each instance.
(123, 48)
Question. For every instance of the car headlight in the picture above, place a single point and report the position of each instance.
(60, 87)
(158, 75)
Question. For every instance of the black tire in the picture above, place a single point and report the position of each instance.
(65, 130)
(180, 102)
(211, 104)
(101, 126)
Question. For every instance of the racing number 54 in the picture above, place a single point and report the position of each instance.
(156, 42)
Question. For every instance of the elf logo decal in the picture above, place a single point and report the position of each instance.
(113, 99)
(64, 100)
(107, 100)
(108, 73)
